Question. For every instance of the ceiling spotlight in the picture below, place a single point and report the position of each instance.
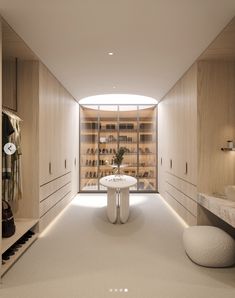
(111, 53)
(114, 87)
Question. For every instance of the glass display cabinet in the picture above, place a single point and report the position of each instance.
(104, 129)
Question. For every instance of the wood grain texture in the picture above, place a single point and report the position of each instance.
(51, 187)
(188, 217)
(177, 145)
(53, 199)
(52, 213)
(216, 125)
(28, 112)
(9, 81)
(58, 127)
(13, 44)
(223, 47)
(178, 121)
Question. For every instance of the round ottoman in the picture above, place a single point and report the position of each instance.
(209, 246)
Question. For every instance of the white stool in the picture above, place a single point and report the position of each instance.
(209, 246)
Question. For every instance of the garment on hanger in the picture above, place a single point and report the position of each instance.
(12, 170)
(7, 130)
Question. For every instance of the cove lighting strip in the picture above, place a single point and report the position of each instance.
(175, 213)
(53, 222)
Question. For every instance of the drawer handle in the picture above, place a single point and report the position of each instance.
(65, 163)
(161, 161)
(171, 164)
(186, 168)
(75, 161)
(50, 171)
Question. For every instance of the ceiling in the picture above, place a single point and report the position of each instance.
(153, 41)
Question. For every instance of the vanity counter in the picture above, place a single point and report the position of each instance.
(222, 208)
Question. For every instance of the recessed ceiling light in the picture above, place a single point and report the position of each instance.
(114, 87)
(111, 53)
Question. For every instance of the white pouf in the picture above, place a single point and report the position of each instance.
(209, 246)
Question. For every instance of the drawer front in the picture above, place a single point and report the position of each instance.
(52, 213)
(48, 189)
(187, 202)
(184, 187)
(188, 217)
(54, 198)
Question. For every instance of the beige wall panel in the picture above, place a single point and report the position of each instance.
(223, 47)
(186, 215)
(51, 187)
(28, 112)
(53, 199)
(216, 125)
(9, 96)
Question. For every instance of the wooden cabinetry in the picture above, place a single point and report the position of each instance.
(58, 139)
(57, 127)
(196, 118)
(177, 143)
(49, 143)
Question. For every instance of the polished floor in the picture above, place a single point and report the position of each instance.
(82, 255)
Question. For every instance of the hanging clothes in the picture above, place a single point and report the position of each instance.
(12, 171)
(7, 130)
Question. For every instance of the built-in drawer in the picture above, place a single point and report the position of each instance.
(54, 198)
(188, 217)
(52, 213)
(181, 185)
(51, 187)
(187, 202)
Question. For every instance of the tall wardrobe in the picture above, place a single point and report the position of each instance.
(195, 120)
(49, 126)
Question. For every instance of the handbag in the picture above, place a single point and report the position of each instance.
(8, 224)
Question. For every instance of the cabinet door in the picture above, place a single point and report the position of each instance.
(50, 124)
(161, 147)
(55, 116)
(75, 136)
(188, 156)
(62, 130)
(45, 126)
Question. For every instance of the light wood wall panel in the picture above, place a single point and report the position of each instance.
(177, 143)
(223, 47)
(9, 83)
(28, 112)
(216, 125)
(13, 44)
(58, 127)
(178, 122)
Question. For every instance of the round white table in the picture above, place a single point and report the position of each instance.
(118, 196)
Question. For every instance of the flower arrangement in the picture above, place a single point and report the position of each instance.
(118, 158)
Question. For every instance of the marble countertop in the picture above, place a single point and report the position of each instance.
(118, 181)
(222, 208)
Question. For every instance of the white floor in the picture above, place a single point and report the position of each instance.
(82, 255)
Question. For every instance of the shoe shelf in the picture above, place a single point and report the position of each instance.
(104, 131)
(22, 226)
(6, 264)
(14, 246)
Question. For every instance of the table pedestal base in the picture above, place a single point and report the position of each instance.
(124, 204)
(118, 204)
(111, 205)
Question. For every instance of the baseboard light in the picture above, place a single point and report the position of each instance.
(53, 222)
(175, 213)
